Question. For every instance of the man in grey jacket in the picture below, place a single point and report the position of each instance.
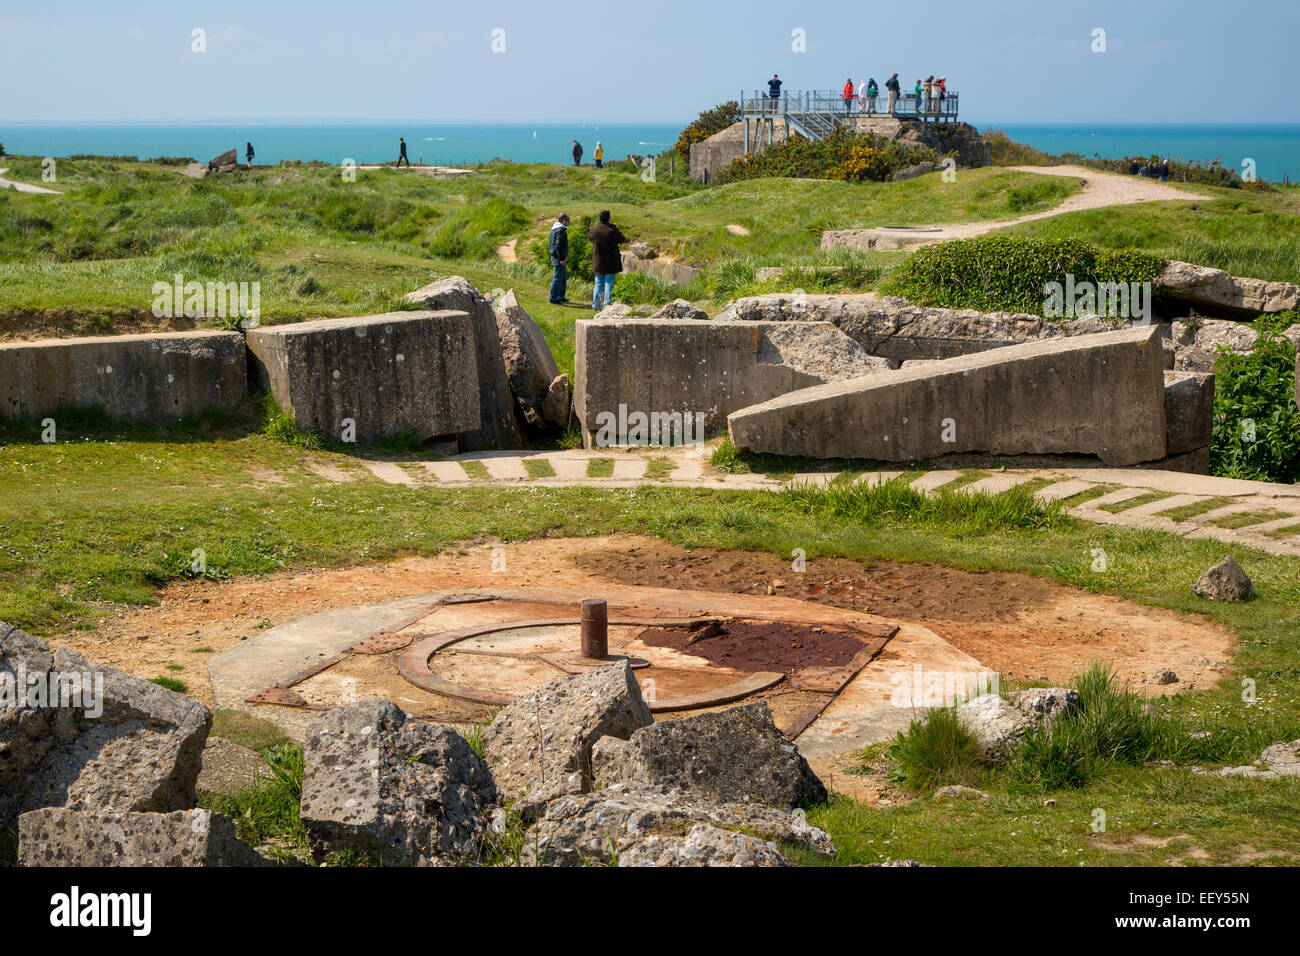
(558, 247)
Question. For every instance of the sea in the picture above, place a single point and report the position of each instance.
(1274, 149)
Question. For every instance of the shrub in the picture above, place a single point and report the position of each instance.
(1256, 423)
(844, 155)
(709, 122)
(1008, 273)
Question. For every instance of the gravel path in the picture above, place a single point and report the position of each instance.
(25, 187)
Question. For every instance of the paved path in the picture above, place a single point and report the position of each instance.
(1255, 514)
(25, 187)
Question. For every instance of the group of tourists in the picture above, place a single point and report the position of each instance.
(606, 259)
(925, 98)
(1158, 171)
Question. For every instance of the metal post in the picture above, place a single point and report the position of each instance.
(595, 628)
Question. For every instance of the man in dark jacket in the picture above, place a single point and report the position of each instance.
(774, 91)
(606, 261)
(577, 153)
(558, 247)
(891, 85)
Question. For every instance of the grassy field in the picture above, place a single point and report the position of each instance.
(102, 519)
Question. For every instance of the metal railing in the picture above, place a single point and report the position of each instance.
(815, 113)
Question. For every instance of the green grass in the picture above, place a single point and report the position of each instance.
(1135, 502)
(476, 470)
(659, 468)
(267, 810)
(1183, 512)
(600, 467)
(539, 468)
(1243, 519)
(938, 751)
(171, 683)
(1088, 494)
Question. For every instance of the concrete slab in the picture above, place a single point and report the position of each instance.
(702, 369)
(156, 379)
(506, 468)
(1063, 489)
(1097, 395)
(445, 471)
(386, 374)
(996, 484)
(934, 479)
(388, 472)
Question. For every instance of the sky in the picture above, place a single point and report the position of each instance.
(1192, 61)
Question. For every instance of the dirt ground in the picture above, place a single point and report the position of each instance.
(1027, 628)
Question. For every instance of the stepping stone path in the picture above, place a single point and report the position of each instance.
(1274, 508)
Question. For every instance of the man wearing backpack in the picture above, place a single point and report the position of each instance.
(558, 247)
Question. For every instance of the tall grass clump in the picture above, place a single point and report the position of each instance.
(896, 502)
(938, 750)
(280, 426)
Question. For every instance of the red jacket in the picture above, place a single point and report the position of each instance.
(848, 90)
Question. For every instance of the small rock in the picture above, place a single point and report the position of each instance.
(959, 793)
(1166, 676)
(1226, 581)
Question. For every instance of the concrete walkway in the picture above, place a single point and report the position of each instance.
(1254, 514)
(25, 187)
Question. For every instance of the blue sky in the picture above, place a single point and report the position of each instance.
(639, 60)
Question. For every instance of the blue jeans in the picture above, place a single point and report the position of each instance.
(607, 281)
(560, 281)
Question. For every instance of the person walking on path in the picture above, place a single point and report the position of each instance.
(891, 85)
(606, 260)
(248, 153)
(558, 247)
(774, 90)
(848, 94)
(401, 156)
(577, 153)
(873, 91)
(599, 154)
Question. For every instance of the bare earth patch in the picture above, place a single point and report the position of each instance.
(1027, 628)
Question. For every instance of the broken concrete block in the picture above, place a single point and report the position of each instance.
(735, 755)
(539, 746)
(1217, 292)
(89, 737)
(698, 369)
(397, 790)
(534, 376)
(59, 837)
(157, 379)
(896, 329)
(1189, 411)
(582, 829)
(498, 427)
(1097, 395)
(703, 845)
(386, 374)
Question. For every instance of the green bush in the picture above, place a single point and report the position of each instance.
(1256, 422)
(474, 233)
(844, 154)
(709, 122)
(1008, 273)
